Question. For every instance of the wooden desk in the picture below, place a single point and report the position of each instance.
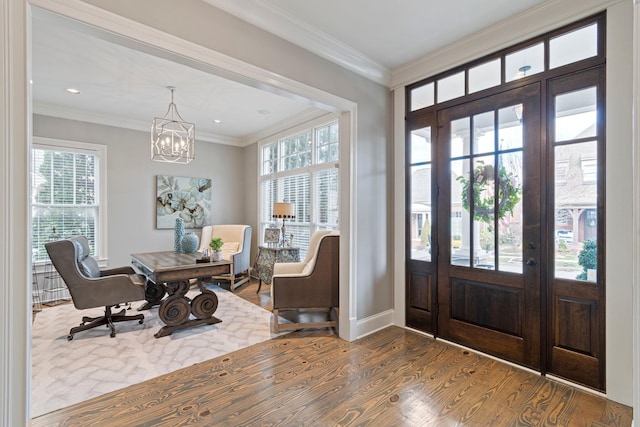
(268, 255)
(171, 273)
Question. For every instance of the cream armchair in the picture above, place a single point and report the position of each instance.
(236, 248)
(311, 284)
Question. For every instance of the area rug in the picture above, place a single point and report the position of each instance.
(67, 372)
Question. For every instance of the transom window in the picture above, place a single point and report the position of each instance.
(568, 47)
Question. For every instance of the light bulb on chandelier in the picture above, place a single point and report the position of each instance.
(172, 138)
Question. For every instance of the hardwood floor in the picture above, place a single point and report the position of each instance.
(393, 377)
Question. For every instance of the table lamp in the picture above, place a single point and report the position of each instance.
(284, 211)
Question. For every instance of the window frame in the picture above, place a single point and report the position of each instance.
(100, 152)
(313, 170)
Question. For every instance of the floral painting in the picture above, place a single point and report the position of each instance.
(181, 197)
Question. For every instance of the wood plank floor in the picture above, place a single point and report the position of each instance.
(394, 377)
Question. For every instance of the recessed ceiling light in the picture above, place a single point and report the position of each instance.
(72, 90)
(264, 112)
(217, 121)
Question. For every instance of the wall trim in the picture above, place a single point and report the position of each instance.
(399, 170)
(375, 323)
(277, 22)
(15, 285)
(636, 209)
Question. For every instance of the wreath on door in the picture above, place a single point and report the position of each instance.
(484, 201)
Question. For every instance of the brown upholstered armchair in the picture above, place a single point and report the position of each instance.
(91, 287)
(311, 284)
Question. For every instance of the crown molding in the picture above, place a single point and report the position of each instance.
(283, 25)
(288, 124)
(120, 122)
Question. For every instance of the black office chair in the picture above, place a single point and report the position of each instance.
(91, 287)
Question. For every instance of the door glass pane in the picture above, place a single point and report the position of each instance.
(422, 97)
(576, 114)
(460, 137)
(460, 219)
(483, 194)
(421, 145)
(484, 76)
(451, 87)
(524, 62)
(510, 127)
(510, 212)
(573, 46)
(483, 135)
(420, 227)
(575, 203)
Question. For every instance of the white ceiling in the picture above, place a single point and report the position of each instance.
(127, 87)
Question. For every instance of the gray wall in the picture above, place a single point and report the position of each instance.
(221, 32)
(131, 183)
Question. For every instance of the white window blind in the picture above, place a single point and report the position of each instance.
(65, 195)
(301, 168)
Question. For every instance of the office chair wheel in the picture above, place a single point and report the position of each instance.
(69, 337)
(141, 321)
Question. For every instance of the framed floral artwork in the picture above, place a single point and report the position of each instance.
(182, 197)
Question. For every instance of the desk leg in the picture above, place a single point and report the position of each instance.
(175, 310)
(153, 294)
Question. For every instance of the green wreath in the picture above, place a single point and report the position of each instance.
(483, 207)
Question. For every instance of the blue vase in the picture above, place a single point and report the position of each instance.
(189, 243)
(178, 233)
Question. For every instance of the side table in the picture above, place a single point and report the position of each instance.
(267, 256)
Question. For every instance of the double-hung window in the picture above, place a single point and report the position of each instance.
(301, 168)
(67, 190)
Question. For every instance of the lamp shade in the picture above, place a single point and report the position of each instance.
(284, 210)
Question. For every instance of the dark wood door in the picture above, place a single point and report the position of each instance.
(576, 203)
(421, 241)
(489, 229)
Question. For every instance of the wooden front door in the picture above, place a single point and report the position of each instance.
(489, 229)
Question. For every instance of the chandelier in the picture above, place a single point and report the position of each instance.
(172, 139)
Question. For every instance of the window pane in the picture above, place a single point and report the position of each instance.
(421, 212)
(460, 219)
(326, 144)
(64, 198)
(484, 76)
(460, 137)
(510, 127)
(575, 231)
(574, 46)
(451, 87)
(483, 194)
(576, 115)
(510, 212)
(269, 163)
(524, 62)
(422, 97)
(483, 134)
(327, 197)
(296, 151)
(421, 145)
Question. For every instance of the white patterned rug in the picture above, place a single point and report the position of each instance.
(67, 372)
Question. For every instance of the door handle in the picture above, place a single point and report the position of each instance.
(531, 261)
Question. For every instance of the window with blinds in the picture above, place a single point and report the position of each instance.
(65, 196)
(302, 169)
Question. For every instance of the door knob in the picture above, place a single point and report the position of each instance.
(531, 261)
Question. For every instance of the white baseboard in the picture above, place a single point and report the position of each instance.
(373, 324)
